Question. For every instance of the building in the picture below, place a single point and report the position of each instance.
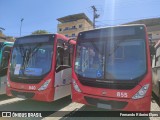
(2, 37)
(71, 25)
(153, 27)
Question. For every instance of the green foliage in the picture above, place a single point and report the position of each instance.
(37, 32)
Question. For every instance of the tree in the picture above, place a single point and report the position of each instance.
(40, 32)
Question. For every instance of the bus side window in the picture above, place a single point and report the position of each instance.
(71, 49)
(157, 59)
(5, 60)
(63, 57)
(59, 57)
(152, 53)
(67, 55)
(6, 55)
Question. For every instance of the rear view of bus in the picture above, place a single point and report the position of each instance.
(112, 68)
(40, 67)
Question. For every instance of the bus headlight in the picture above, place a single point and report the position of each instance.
(45, 85)
(141, 93)
(8, 84)
(76, 87)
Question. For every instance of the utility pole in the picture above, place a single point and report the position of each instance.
(95, 15)
(21, 25)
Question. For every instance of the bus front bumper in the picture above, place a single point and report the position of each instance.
(142, 104)
(45, 95)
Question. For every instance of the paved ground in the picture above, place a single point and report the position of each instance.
(65, 104)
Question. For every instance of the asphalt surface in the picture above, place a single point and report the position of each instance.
(56, 108)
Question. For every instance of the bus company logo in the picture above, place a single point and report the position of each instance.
(32, 87)
(6, 114)
(104, 92)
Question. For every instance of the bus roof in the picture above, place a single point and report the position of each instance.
(121, 30)
(128, 25)
(33, 35)
(56, 34)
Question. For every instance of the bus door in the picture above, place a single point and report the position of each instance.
(6, 50)
(156, 72)
(63, 73)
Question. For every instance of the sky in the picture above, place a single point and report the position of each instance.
(43, 14)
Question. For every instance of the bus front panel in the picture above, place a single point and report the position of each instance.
(111, 65)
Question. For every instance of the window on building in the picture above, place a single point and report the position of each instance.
(73, 27)
(66, 28)
(80, 26)
(73, 35)
(60, 29)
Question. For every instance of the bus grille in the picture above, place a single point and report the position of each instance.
(114, 104)
(108, 85)
(27, 81)
(28, 95)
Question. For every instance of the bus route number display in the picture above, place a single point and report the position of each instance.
(122, 94)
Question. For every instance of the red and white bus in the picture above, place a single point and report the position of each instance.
(156, 70)
(40, 67)
(112, 68)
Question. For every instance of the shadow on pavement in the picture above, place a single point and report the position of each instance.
(155, 99)
(92, 110)
(31, 105)
(4, 97)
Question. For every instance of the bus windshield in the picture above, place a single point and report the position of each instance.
(31, 59)
(111, 58)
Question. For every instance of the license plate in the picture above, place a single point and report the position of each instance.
(105, 106)
(21, 96)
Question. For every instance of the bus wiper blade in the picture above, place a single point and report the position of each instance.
(31, 53)
(23, 78)
(35, 49)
